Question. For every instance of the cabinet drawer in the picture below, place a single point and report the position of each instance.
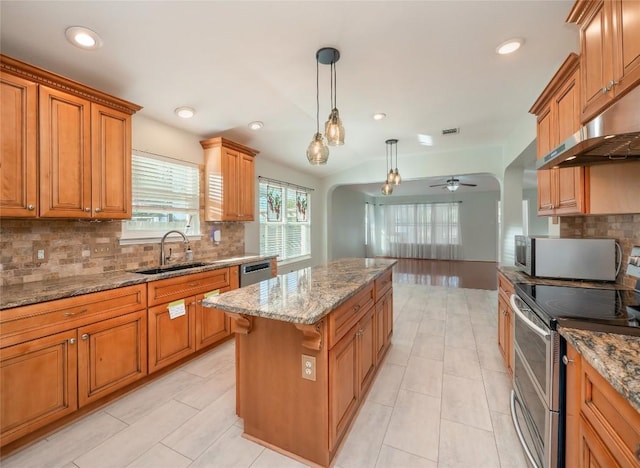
(33, 321)
(505, 287)
(172, 289)
(613, 418)
(347, 315)
(382, 284)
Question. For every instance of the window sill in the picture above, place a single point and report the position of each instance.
(156, 239)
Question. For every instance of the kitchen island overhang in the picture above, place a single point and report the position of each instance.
(308, 345)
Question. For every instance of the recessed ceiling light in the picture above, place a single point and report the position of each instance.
(379, 116)
(510, 46)
(83, 38)
(256, 125)
(185, 112)
(425, 140)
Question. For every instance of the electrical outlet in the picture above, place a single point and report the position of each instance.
(102, 250)
(39, 253)
(308, 367)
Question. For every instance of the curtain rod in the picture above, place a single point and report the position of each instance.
(287, 184)
(425, 203)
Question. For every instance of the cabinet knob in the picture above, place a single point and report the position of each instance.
(566, 361)
(85, 336)
(72, 341)
(605, 90)
(31, 207)
(87, 209)
(611, 84)
(98, 210)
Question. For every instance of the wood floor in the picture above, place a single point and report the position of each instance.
(450, 273)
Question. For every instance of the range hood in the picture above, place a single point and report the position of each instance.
(611, 137)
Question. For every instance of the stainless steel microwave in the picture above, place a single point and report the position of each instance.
(568, 258)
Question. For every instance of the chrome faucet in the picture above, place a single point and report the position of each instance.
(163, 259)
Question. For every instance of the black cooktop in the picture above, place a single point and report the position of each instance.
(607, 310)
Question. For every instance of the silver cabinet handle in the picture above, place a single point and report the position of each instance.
(85, 336)
(71, 314)
(605, 89)
(98, 210)
(31, 207)
(516, 424)
(88, 210)
(566, 361)
(72, 341)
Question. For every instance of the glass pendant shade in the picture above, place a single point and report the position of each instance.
(396, 177)
(387, 189)
(391, 177)
(333, 129)
(317, 152)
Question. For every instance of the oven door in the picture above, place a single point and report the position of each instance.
(536, 355)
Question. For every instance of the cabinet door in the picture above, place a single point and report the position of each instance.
(246, 187)
(545, 143)
(388, 317)
(65, 155)
(170, 339)
(572, 437)
(212, 325)
(593, 452)
(230, 181)
(596, 59)
(367, 351)
(379, 329)
(111, 163)
(343, 385)
(38, 383)
(503, 330)
(111, 354)
(627, 39)
(18, 123)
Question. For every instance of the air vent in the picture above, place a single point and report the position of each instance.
(451, 131)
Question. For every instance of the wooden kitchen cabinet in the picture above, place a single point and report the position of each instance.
(505, 321)
(229, 180)
(560, 191)
(610, 51)
(19, 140)
(58, 356)
(171, 339)
(83, 144)
(384, 323)
(606, 430)
(38, 383)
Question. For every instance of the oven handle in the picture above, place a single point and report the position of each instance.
(543, 333)
(516, 424)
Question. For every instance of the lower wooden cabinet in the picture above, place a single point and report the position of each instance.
(505, 321)
(212, 325)
(170, 339)
(384, 323)
(38, 383)
(603, 429)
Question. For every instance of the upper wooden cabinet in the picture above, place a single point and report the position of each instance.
(66, 148)
(610, 51)
(560, 191)
(229, 180)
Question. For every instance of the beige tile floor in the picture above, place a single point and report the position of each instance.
(439, 400)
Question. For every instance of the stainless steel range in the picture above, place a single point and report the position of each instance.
(538, 399)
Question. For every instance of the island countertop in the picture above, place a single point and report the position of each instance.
(304, 296)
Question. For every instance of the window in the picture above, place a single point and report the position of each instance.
(165, 196)
(285, 226)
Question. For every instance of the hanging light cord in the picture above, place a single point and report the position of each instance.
(396, 147)
(317, 96)
(334, 85)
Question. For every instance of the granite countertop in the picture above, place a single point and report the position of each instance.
(615, 357)
(304, 296)
(516, 276)
(42, 291)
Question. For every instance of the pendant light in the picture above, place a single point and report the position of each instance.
(387, 187)
(333, 128)
(317, 152)
(396, 174)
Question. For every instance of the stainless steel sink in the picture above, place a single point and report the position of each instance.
(183, 266)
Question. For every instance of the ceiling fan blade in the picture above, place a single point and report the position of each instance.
(438, 185)
(469, 185)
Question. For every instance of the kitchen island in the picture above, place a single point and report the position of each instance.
(308, 345)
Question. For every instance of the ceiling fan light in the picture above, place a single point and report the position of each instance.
(333, 129)
(317, 152)
(453, 186)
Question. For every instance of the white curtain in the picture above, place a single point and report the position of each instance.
(428, 230)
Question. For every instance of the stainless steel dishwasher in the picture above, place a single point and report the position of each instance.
(254, 272)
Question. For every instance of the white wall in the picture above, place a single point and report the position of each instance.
(347, 223)
(538, 225)
(154, 137)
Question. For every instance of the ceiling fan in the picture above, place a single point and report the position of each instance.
(453, 184)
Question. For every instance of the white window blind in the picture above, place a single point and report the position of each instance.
(165, 196)
(285, 226)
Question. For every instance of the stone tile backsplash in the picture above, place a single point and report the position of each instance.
(79, 247)
(624, 228)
